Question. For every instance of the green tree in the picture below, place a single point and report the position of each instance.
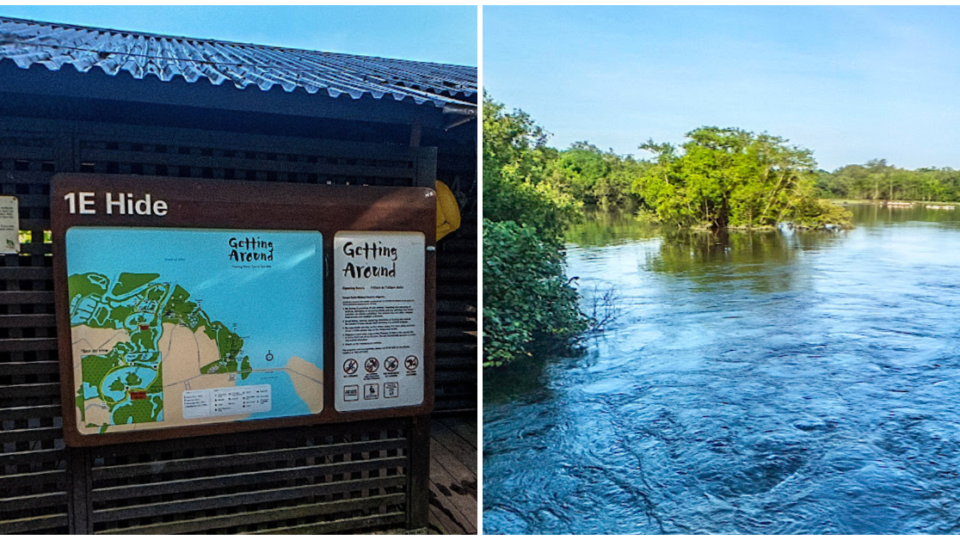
(597, 177)
(516, 186)
(527, 298)
(730, 177)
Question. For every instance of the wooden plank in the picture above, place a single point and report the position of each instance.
(274, 440)
(26, 272)
(458, 333)
(46, 367)
(455, 375)
(28, 153)
(38, 523)
(357, 523)
(12, 459)
(244, 164)
(26, 297)
(453, 476)
(33, 501)
(260, 516)
(25, 177)
(239, 499)
(460, 507)
(93, 134)
(455, 348)
(454, 402)
(21, 413)
(465, 428)
(443, 522)
(243, 458)
(242, 479)
(459, 470)
(31, 434)
(57, 477)
(30, 390)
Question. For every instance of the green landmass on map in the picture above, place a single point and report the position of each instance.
(128, 378)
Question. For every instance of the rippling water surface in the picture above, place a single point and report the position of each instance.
(753, 383)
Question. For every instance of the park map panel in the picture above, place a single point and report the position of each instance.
(177, 327)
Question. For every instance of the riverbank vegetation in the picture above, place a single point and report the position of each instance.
(877, 180)
(527, 298)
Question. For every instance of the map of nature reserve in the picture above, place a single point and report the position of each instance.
(176, 327)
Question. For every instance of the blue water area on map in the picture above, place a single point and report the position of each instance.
(275, 306)
(280, 385)
(145, 376)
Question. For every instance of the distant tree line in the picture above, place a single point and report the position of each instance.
(877, 180)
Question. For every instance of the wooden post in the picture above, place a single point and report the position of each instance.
(418, 487)
(79, 481)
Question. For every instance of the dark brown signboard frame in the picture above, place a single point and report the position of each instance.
(211, 204)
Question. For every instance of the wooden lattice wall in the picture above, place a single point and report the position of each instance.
(330, 478)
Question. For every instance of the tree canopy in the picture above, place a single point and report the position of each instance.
(527, 298)
(517, 185)
(729, 177)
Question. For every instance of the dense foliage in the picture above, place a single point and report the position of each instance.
(876, 180)
(517, 185)
(730, 177)
(526, 296)
(597, 177)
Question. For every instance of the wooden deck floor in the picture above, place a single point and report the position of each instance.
(453, 475)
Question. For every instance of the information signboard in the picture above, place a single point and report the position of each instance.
(173, 327)
(9, 224)
(197, 307)
(378, 328)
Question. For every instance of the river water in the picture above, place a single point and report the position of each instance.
(751, 383)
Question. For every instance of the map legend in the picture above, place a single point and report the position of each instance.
(226, 401)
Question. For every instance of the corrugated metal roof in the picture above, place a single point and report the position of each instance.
(55, 45)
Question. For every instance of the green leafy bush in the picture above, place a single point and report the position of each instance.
(526, 209)
(526, 297)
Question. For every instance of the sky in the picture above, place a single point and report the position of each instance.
(444, 34)
(850, 83)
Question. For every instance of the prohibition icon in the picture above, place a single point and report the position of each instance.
(371, 365)
(411, 362)
(350, 366)
(391, 363)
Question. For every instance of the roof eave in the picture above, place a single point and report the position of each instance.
(95, 84)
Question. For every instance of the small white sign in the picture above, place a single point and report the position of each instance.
(9, 225)
(378, 319)
(213, 402)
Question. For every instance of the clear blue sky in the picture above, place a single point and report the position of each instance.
(849, 83)
(445, 34)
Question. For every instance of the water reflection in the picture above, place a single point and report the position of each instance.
(756, 384)
(762, 259)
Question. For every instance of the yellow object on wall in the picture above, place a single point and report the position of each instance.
(448, 211)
